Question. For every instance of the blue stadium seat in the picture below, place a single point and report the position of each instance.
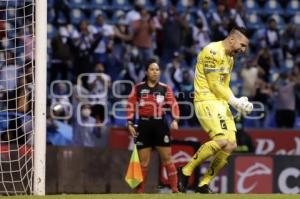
(296, 19)
(11, 12)
(50, 3)
(7, 43)
(254, 21)
(121, 5)
(100, 4)
(94, 15)
(183, 5)
(271, 7)
(82, 4)
(51, 31)
(61, 18)
(10, 29)
(191, 18)
(163, 3)
(198, 6)
(293, 7)
(50, 15)
(251, 6)
(11, 3)
(76, 16)
(147, 4)
(115, 15)
(280, 21)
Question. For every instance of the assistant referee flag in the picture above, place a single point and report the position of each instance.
(134, 174)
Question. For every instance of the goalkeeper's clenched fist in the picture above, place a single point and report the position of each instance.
(241, 104)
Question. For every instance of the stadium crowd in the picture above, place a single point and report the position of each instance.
(95, 52)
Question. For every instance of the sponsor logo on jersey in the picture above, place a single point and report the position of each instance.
(160, 99)
(145, 91)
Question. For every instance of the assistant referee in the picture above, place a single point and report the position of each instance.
(147, 102)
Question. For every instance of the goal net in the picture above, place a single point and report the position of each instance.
(17, 92)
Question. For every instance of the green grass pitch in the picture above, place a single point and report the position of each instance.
(164, 196)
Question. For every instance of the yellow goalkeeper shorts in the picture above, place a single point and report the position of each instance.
(216, 119)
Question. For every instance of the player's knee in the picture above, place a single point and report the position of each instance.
(222, 142)
(231, 146)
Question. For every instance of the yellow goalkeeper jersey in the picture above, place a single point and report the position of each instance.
(212, 75)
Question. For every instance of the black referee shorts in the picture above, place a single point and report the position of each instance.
(152, 132)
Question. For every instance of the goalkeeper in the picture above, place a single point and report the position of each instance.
(212, 96)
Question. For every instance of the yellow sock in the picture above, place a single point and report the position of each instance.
(215, 166)
(205, 151)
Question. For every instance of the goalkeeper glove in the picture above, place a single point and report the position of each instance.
(241, 104)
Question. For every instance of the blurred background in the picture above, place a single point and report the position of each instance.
(114, 38)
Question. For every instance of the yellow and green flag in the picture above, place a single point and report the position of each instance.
(134, 174)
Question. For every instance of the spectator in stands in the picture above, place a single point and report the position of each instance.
(102, 32)
(19, 111)
(135, 13)
(185, 95)
(142, 30)
(264, 59)
(113, 65)
(285, 104)
(173, 72)
(62, 56)
(172, 34)
(85, 132)
(220, 20)
(61, 7)
(249, 75)
(296, 74)
(238, 13)
(84, 43)
(187, 42)
(28, 43)
(205, 14)
(289, 41)
(9, 72)
(80, 95)
(271, 38)
(201, 35)
(122, 36)
(262, 93)
(99, 83)
(133, 70)
(159, 19)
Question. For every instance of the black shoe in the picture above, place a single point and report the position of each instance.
(182, 181)
(204, 189)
